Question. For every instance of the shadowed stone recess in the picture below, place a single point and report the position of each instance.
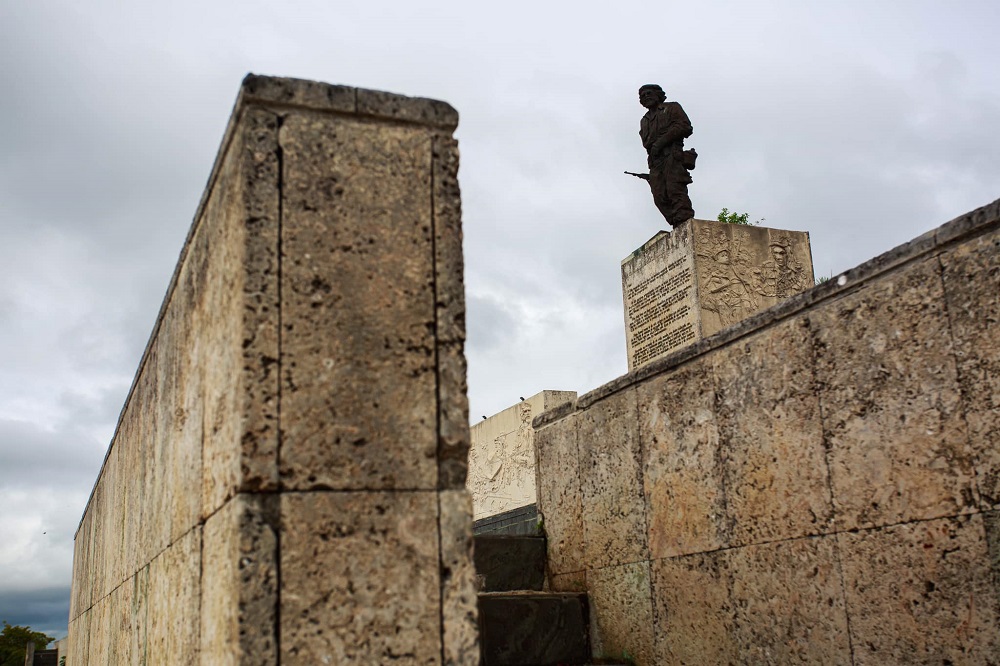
(541, 629)
(510, 562)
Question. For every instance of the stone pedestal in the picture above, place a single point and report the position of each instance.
(687, 284)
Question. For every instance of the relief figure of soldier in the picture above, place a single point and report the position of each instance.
(663, 129)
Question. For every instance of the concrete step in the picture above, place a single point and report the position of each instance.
(533, 628)
(510, 562)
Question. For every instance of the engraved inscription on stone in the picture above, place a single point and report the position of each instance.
(658, 284)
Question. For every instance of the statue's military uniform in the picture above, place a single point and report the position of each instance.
(663, 130)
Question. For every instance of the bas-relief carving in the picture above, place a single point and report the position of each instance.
(735, 282)
(783, 275)
(726, 274)
(502, 475)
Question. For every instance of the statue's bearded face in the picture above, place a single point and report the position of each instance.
(650, 97)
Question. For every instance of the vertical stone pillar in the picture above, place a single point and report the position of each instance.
(286, 483)
(374, 540)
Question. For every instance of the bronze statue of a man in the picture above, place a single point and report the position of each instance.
(663, 130)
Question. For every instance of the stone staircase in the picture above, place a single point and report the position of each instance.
(520, 624)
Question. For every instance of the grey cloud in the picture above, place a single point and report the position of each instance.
(45, 609)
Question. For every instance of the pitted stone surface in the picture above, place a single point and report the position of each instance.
(971, 276)
(359, 578)
(898, 445)
(173, 603)
(682, 470)
(235, 266)
(788, 603)
(621, 612)
(614, 520)
(559, 494)
(177, 556)
(921, 593)
(453, 402)
(358, 402)
(776, 479)
(458, 593)
(239, 582)
(692, 610)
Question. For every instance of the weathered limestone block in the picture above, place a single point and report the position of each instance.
(692, 611)
(79, 639)
(971, 278)
(359, 578)
(239, 583)
(788, 603)
(776, 478)
(453, 401)
(194, 543)
(682, 286)
(234, 266)
(621, 616)
(681, 467)
(458, 580)
(358, 400)
(502, 455)
(921, 593)
(173, 603)
(575, 581)
(614, 517)
(560, 497)
(898, 445)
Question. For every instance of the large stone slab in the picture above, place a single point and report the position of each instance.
(774, 462)
(360, 578)
(788, 603)
(316, 317)
(921, 593)
(614, 517)
(685, 285)
(970, 285)
(621, 613)
(359, 402)
(560, 496)
(682, 469)
(892, 418)
(239, 583)
(692, 610)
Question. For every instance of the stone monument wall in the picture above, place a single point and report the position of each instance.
(286, 484)
(818, 484)
(502, 456)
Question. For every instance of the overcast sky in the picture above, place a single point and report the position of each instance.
(864, 123)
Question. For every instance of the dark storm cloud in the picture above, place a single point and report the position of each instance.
(45, 610)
